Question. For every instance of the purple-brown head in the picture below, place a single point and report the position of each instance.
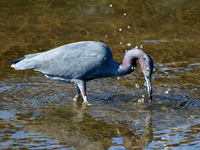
(146, 63)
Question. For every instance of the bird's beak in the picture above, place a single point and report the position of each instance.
(149, 86)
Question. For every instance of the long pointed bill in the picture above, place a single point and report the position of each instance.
(149, 86)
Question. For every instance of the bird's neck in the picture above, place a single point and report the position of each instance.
(129, 62)
(127, 66)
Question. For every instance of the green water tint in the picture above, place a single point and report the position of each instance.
(39, 113)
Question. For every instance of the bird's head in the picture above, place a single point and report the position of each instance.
(146, 63)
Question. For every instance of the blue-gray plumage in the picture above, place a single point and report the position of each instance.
(83, 61)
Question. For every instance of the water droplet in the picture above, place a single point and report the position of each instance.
(137, 85)
(118, 78)
(136, 47)
(106, 36)
(141, 100)
(128, 27)
(132, 68)
(128, 44)
(142, 95)
(111, 5)
(120, 43)
(124, 14)
(141, 46)
(120, 29)
(166, 92)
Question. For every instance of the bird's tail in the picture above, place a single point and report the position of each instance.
(22, 64)
(16, 61)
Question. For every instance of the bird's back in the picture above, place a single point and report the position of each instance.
(71, 61)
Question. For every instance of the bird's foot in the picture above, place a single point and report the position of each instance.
(75, 98)
(85, 102)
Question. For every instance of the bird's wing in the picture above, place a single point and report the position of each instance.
(74, 61)
(69, 61)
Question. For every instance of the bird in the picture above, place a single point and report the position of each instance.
(82, 61)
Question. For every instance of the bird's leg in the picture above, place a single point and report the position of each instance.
(82, 87)
(77, 94)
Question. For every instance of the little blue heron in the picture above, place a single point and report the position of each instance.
(83, 61)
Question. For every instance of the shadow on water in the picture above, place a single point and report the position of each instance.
(39, 113)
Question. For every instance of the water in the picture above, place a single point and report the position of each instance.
(38, 113)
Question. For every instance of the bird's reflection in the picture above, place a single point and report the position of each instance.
(132, 141)
(74, 126)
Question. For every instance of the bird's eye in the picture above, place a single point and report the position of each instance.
(144, 58)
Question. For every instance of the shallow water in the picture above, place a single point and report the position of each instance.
(38, 113)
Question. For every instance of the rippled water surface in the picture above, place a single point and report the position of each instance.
(38, 113)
